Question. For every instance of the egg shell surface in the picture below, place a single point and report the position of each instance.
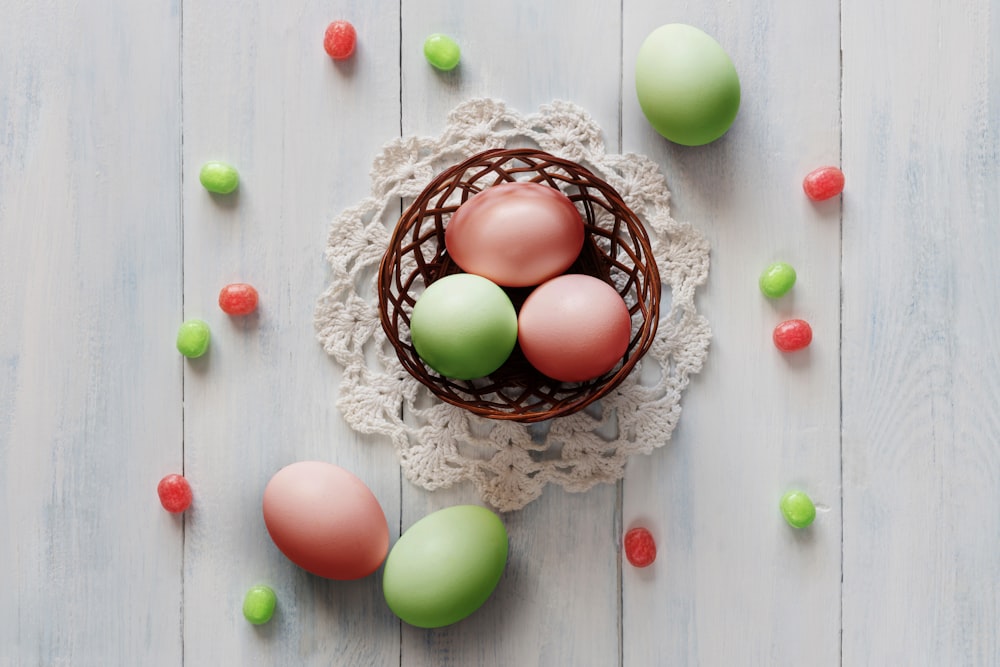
(574, 328)
(687, 85)
(463, 326)
(326, 520)
(516, 234)
(445, 566)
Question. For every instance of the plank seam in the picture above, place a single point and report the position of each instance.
(399, 622)
(840, 351)
(180, 84)
(618, 518)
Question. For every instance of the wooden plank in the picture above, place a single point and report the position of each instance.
(557, 603)
(733, 584)
(260, 92)
(90, 294)
(92, 249)
(920, 355)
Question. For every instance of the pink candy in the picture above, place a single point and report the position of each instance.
(238, 299)
(792, 335)
(823, 183)
(175, 493)
(640, 547)
(339, 40)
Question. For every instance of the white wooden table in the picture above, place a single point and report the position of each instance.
(107, 241)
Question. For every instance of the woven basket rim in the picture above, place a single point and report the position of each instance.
(503, 401)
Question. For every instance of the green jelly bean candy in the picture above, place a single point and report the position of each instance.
(798, 509)
(259, 603)
(442, 52)
(219, 177)
(193, 337)
(777, 279)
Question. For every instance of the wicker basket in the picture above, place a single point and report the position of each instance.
(616, 249)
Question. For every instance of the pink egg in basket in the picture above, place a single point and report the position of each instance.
(574, 327)
(517, 234)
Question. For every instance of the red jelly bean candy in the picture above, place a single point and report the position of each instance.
(238, 299)
(175, 493)
(340, 39)
(792, 335)
(823, 183)
(640, 547)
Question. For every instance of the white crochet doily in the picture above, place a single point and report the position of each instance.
(439, 444)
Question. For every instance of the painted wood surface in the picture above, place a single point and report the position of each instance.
(90, 290)
(259, 92)
(107, 241)
(562, 579)
(734, 582)
(921, 368)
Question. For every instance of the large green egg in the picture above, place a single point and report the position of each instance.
(464, 326)
(445, 566)
(687, 85)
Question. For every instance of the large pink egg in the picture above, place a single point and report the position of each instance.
(325, 520)
(516, 234)
(574, 328)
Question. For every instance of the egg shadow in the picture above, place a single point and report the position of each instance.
(346, 602)
(703, 173)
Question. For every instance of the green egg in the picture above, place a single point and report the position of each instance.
(686, 84)
(464, 326)
(445, 566)
(219, 177)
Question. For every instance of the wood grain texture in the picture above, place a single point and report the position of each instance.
(107, 241)
(733, 584)
(558, 602)
(90, 294)
(260, 92)
(920, 353)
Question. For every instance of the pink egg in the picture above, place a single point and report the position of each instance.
(574, 328)
(326, 520)
(516, 234)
